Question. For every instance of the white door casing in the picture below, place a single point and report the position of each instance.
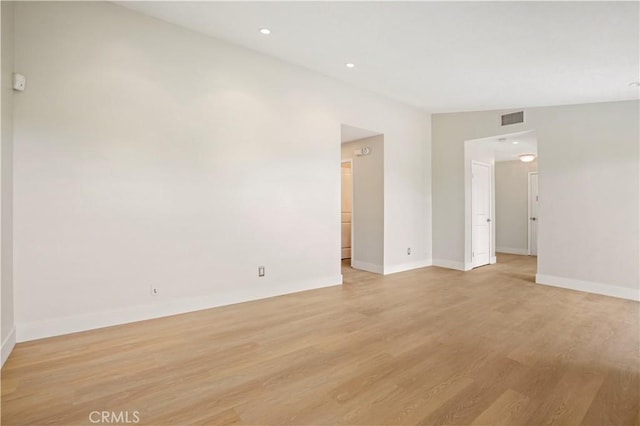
(347, 209)
(533, 213)
(480, 214)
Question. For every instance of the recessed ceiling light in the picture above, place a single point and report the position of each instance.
(265, 31)
(350, 65)
(635, 84)
(515, 142)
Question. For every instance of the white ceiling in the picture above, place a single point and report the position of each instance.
(504, 148)
(440, 56)
(351, 133)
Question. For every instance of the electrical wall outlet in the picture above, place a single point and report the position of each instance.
(155, 291)
(409, 251)
(261, 271)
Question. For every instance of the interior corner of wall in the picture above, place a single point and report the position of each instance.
(8, 344)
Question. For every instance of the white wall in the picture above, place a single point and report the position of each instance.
(146, 154)
(512, 205)
(588, 158)
(6, 187)
(368, 203)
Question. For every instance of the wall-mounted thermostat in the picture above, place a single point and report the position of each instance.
(19, 81)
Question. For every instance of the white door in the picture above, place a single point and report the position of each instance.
(481, 214)
(533, 213)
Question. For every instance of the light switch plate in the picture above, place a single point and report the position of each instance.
(19, 82)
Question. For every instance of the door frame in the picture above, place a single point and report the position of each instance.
(529, 227)
(350, 161)
(491, 223)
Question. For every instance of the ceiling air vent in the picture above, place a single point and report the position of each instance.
(513, 118)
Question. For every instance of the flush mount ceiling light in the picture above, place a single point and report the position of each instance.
(515, 142)
(350, 65)
(265, 31)
(527, 158)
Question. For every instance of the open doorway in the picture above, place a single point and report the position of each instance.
(501, 181)
(362, 201)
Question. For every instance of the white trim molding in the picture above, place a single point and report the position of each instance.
(8, 344)
(369, 267)
(407, 266)
(512, 250)
(589, 287)
(450, 264)
(164, 308)
(529, 213)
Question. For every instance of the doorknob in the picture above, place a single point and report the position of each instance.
(488, 220)
(533, 218)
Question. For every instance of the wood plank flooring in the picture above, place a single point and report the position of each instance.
(431, 346)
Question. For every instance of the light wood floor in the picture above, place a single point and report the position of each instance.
(431, 346)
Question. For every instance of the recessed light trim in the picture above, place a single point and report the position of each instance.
(350, 65)
(265, 31)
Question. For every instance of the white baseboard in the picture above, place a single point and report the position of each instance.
(407, 266)
(449, 264)
(8, 344)
(589, 287)
(83, 322)
(493, 260)
(511, 250)
(369, 267)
